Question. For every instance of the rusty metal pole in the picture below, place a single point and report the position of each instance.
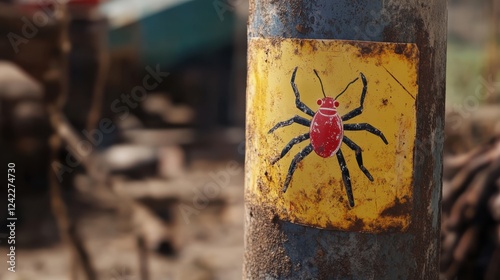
(285, 248)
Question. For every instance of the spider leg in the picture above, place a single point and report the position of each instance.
(359, 156)
(290, 144)
(295, 119)
(365, 126)
(298, 157)
(359, 110)
(345, 177)
(300, 105)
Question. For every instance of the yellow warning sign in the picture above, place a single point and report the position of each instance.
(330, 132)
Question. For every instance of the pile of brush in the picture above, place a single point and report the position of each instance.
(470, 227)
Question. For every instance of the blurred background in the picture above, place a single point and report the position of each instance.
(125, 121)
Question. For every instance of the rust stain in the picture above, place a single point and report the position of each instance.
(302, 28)
(369, 50)
(366, 50)
(399, 208)
(357, 226)
(264, 234)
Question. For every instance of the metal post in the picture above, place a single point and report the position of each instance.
(281, 244)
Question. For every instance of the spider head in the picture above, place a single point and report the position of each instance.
(328, 106)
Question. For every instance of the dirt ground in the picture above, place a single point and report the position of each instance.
(193, 229)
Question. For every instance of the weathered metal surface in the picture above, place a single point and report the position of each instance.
(276, 249)
(317, 195)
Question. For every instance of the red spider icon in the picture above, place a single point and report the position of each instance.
(326, 133)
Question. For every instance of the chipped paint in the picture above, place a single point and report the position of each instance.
(316, 195)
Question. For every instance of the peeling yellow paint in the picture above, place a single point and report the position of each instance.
(316, 195)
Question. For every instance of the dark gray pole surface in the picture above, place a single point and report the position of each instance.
(282, 250)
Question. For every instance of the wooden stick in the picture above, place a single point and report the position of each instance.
(67, 228)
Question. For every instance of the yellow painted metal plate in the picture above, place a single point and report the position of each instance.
(316, 195)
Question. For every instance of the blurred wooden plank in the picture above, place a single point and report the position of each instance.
(183, 136)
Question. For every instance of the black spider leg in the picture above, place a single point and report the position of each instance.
(359, 156)
(365, 126)
(289, 146)
(298, 157)
(359, 110)
(300, 105)
(295, 119)
(345, 177)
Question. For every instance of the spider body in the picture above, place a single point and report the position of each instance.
(326, 128)
(326, 133)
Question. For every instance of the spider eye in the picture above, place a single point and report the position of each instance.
(319, 102)
(336, 104)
